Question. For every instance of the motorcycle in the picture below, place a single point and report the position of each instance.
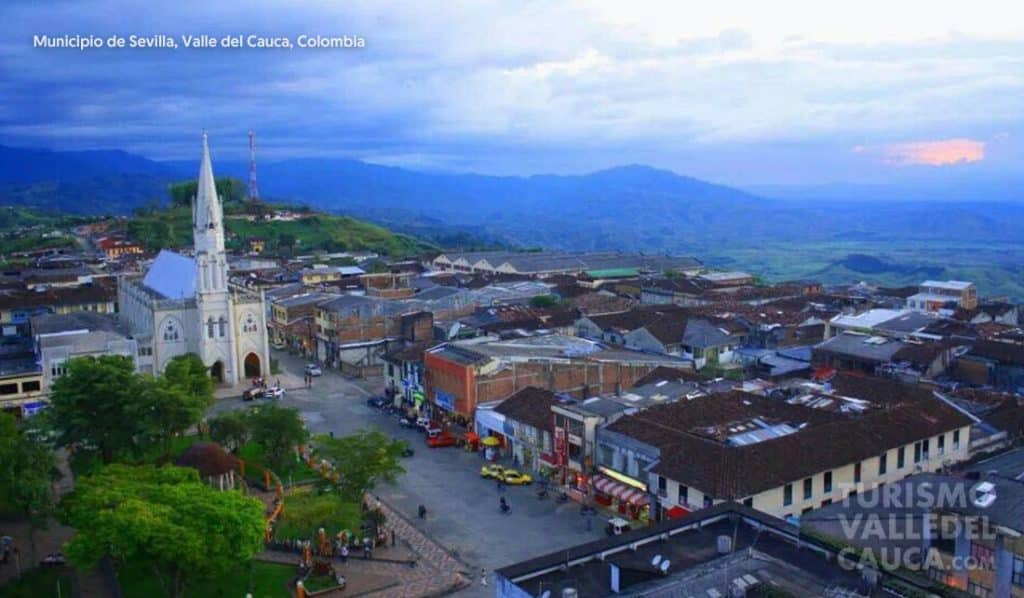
(562, 498)
(542, 493)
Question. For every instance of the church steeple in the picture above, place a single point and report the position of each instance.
(208, 228)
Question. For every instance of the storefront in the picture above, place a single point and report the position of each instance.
(624, 498)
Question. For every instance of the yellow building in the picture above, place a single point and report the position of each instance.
(784, 455)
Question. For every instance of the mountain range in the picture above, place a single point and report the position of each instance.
(632, 208)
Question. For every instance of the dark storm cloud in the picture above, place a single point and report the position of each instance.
(499, 87)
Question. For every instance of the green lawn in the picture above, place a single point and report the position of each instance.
(38, 583)
(306, 511)
(319, 582)
(294, 470)
(263, 580)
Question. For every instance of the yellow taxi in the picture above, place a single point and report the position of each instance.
(514, 478)
(492, 470)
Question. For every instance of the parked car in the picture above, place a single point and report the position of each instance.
(492, 471)
(251, 394)
(616, 526)
(423, 423)
(515, 478)
(376, 402)
(314, 370)
(441, 439)
(274, 392)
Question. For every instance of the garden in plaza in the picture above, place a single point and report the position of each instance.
(170, 504)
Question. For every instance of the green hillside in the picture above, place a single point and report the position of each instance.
(159, 228)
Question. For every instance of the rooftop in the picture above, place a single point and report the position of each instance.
(953, 285)
(862, 346)
(172, 275)
(687, 557)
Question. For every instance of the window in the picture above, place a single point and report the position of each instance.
(985, 556)
(1018, 571)
(221, 324)
(924, 449)
(662, 486)
(749, 502)
(976, 589)
(942, 444)
(956, 440)
(883, 464)
(827, 481)
(31, 386)
(9, 389)
(171, 333)
(856, 473)
(209, 327)
(917, 452)
(808, 488)
(787, 495)
(250, 324)
(684, 495)
(901, 457)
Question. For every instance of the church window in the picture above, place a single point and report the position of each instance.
(171, 333)
(221, 324)
(209, 327)
(250, 323)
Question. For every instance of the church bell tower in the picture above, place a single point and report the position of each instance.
(213, 300)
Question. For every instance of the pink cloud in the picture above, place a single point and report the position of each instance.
(943, 152)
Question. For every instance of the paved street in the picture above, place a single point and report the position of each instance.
(462, 508)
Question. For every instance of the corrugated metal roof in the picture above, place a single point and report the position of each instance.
(172, 275)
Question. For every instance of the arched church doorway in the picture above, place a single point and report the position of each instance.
(217, 371)
(252, 365)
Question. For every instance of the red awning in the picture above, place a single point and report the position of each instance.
(622, 492)
(676, 512)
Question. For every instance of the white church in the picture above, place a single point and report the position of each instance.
(184, 304)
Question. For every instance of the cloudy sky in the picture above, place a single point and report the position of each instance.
(738, 92)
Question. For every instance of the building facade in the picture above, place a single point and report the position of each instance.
(184, 304)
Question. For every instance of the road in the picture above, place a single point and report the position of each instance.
(462, 508)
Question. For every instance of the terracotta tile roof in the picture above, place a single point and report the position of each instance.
(531, 406)
(693, 456)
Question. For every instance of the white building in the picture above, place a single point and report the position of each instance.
(184, 304)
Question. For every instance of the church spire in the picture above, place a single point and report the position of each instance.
(207, 213)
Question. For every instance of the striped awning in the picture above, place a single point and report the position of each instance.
(622, 492)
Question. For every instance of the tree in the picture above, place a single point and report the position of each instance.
(177, 400)
(27, 472)
(96, 406)
(231, 430)
(286, 240)
(277, 429)
(164, 517)
(228, 189)
(542, 301)
(363, 459)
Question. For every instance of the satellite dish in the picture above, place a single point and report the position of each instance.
(664, 565)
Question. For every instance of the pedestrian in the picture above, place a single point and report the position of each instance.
(483, 577)
(367, 548)
(422, 512)
(392, 537)
(344, 553)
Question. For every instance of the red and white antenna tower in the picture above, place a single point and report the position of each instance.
(254, 191)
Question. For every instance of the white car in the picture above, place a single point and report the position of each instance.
(314, 370)
(422, 423)
(275, 392)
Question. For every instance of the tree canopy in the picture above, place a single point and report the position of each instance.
(27, 472)
(363, 459)
(95, 405)
(229, 189)
(103, 405)
(166, 517)
(231, 429)
(277, 429)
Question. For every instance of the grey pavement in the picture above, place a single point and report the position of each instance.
(462, 508)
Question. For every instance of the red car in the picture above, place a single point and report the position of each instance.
(440, 439)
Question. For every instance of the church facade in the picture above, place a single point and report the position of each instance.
(185, 304)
